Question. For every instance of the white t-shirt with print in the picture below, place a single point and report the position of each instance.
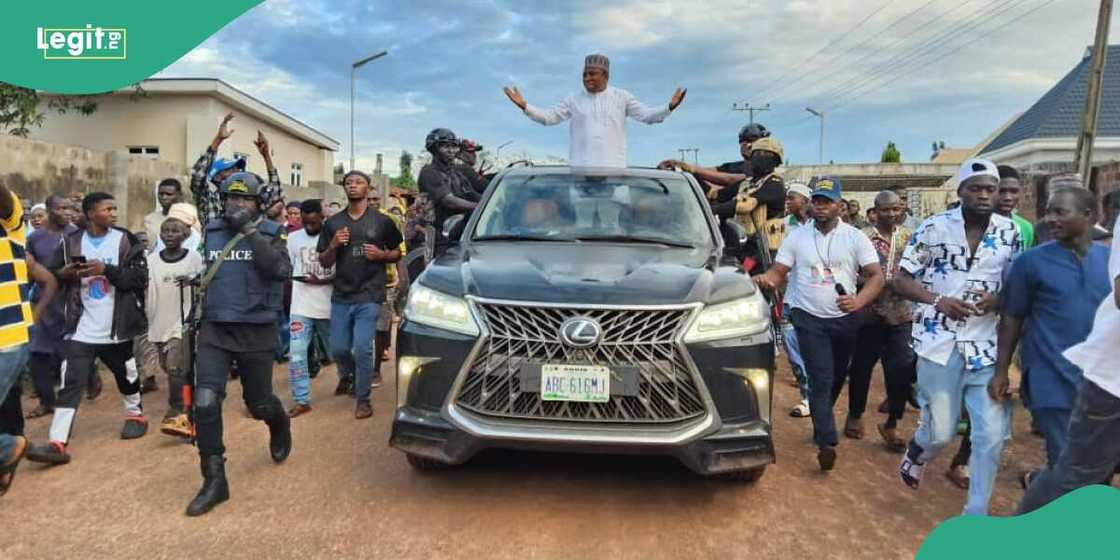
(313, 302)
(165, 318)
(819, 262)
(98, 295)
(1096, 356)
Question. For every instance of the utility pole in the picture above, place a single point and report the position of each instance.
(695, 154)
(820, 149)
(1083, 157)
(746, 107)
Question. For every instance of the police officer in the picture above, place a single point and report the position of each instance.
(447, 187)
(240, 310)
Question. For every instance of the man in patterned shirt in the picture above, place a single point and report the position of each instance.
(207, 174)
(884, 332)
(954, 268)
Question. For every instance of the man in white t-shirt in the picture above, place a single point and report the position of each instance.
(1092, 451)
(105, 276)
(825, 258)
(311, 302)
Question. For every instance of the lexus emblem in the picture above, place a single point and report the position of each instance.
(581, 332)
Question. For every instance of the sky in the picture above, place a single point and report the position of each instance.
(911, 72)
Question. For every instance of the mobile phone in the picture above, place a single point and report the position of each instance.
(840, 290)
(77, 259)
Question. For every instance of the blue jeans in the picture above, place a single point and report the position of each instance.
(1054, 424)
(793, 353)
(11, 365)
(941, 388)
(352, 326)
(303, 331)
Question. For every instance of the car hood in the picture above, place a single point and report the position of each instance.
(585, 273)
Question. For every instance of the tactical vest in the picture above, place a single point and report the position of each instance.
(239, 293)
(752, 215)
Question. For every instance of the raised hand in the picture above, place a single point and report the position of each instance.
(678, 97)
(261, 143)
(223, 131)
(515, 97)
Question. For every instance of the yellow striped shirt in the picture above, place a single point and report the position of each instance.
(15, 301)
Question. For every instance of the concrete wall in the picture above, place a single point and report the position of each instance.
(806, 172)
(182, 125)
(36, 169)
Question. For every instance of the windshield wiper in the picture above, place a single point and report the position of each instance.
(637, 239)
(514, 237)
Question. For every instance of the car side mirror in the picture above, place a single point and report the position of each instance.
(453, 227)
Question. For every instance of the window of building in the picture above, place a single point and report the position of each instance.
(150, 152)
(297, 174)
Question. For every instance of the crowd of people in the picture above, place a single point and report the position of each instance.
(227, 277)
(950, 305)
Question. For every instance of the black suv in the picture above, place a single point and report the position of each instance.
(586, 310)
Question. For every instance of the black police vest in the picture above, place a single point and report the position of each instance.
(239, 293)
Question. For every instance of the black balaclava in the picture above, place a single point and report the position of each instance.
(763, 163)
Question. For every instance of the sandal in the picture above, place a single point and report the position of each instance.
(958, 475)
(895, 444)
(8, 471)
(39, 412)
(853, 428)
(800, 411)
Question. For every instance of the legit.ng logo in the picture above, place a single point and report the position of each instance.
(88, 43)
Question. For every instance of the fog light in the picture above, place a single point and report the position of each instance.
(758, 380)
(407, 368)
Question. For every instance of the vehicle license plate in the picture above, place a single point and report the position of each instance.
(575, 383)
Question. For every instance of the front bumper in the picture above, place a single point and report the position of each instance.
(733, 436)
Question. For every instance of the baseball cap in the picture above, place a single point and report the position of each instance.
(220, 165)
(801, 189)
(828, 187)
(977, 167)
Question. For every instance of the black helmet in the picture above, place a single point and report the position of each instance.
(438, 136)
(752, 131)
(242, 183)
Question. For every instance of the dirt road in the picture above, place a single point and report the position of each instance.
(345, 494)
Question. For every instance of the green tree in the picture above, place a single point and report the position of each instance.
(891, 154)
(22, 108)
(404, 180)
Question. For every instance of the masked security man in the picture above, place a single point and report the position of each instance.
(247, 262)
(760, 202)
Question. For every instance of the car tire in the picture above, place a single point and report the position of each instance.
(746, 476)
(426, 464)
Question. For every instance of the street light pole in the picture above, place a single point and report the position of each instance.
(353, 71)
(820, 149)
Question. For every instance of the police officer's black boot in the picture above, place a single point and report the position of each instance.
(215, 489)
(280, 436)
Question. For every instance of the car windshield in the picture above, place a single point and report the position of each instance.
(594, 208)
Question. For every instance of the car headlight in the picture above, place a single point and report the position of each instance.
(429, 307)
(741, 317)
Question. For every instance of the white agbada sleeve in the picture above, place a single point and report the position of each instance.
(642, 113)
(556, 115)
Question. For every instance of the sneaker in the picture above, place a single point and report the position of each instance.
(178, 426)
(801, 410)
(910, 470)
(363, 410)
(826, 458)
(134, 427)
(148, 385)
(50, 453)
(376, 382)
(298, 409)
